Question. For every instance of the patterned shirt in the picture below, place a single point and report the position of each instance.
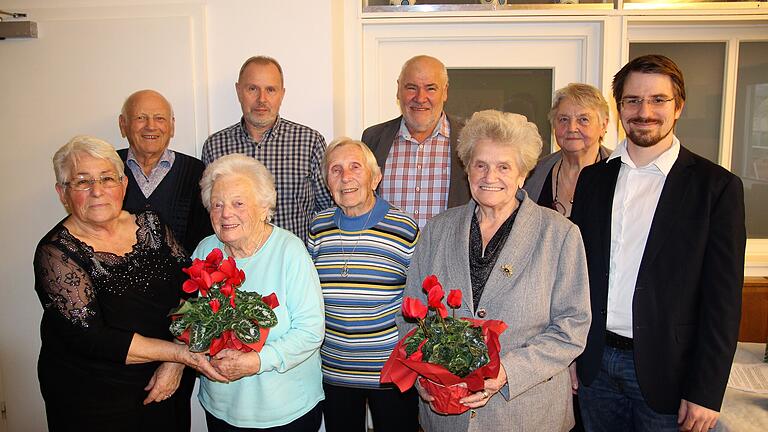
(418, 175)
(360, 309)
(293, 153)
(148, 183)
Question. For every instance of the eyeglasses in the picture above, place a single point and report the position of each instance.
(80, 183)
(635, 103)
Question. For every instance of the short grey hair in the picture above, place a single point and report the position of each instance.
(583, 95)
(67, 157)
(408, 63)
(241, 165)
(511, 130)
(370, 159)
(263, 61)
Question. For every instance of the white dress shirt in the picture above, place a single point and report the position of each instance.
(634, 203)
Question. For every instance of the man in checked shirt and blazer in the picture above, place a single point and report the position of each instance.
(422, 174)
(290, 151)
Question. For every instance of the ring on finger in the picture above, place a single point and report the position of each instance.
(485, 394)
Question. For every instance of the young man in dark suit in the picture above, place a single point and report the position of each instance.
(664, 233)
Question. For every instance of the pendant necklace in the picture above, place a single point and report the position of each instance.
(556, 202)
(345, 267)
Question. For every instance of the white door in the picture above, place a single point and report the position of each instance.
(571, 50)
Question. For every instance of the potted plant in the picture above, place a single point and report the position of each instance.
(451, 356)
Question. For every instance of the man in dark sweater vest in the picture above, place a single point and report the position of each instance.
(161, 179)
(168, 183)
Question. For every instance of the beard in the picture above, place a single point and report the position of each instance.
(647, 137)
(260, 121)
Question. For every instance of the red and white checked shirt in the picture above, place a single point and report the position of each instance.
(417, 175)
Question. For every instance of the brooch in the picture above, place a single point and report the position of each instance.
(507, 269)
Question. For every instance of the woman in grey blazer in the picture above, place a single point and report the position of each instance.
(513, 261)
(579, 117)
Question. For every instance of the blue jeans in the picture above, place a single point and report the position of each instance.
(613, 402)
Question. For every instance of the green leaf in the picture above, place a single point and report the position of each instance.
(178, 326)
(246, 331)
(454, 344)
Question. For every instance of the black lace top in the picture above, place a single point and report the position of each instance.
(481, 262)
(93, 303)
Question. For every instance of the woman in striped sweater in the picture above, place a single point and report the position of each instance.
(362, 249)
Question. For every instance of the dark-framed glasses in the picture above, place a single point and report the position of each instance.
(634, 103)
(82, 183)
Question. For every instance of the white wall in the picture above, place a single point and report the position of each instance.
(297, 34)
(73, 79)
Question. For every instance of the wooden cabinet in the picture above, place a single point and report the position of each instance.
(754, 310)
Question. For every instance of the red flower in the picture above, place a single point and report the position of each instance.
(227, 290)
(442, 310)
(198, 278)
(413, 308)
(228, 270)
(430, 282)
(213, 259)
(271, 301)
(215, 305)
(454, 298)
(435, 297)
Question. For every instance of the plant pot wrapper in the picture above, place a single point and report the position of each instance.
(403, 371)
(446, 398)
(228, 340)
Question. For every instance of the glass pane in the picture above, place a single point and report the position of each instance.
(667, 4)
(750, 134)
(432, 5)
(703, 66)
(522, 91)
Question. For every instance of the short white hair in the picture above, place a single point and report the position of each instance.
(370, 159)
(241, 165)
(503, 128)
(68, 155)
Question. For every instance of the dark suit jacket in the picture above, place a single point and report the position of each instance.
(380, 138)
(687, 302)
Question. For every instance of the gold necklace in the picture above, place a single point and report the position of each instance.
(345, 267)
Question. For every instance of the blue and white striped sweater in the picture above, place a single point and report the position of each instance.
(360, 309)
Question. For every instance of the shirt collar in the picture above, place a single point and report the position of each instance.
(443, 128)
(273, 130)
(663, 162)
(166, 160)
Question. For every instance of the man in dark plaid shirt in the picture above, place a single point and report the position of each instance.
(290, 151)
(421, 171)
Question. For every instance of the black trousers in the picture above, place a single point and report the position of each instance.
(182, 399)
(392, 411)
(309, 422)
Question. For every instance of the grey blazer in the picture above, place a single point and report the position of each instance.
(535, 181)
(544, 300)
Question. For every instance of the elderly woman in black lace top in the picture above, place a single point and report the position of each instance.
(106, 280)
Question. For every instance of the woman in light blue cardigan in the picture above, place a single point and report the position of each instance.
(282, 384)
